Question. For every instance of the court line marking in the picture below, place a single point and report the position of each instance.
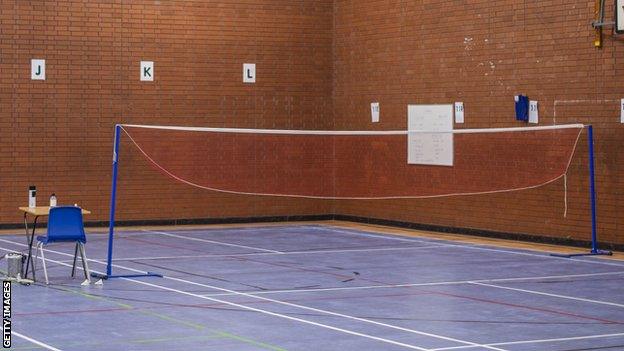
(210, 241)
(36, 342)
(239, 306)
(455, 282)
(476, 282)
(149, 258)
(390, 236)
(459, 282)
(535, 292)
(444, 242)
(363, 320)
(473, 282)
(536, 341)
(301, 320)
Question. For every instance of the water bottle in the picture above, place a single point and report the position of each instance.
(32, 196)
(52, 200)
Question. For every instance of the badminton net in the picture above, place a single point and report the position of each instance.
(354, 164)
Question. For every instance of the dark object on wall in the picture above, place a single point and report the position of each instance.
(522, 108)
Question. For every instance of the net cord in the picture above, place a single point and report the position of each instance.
(349, 198)
(349, 132)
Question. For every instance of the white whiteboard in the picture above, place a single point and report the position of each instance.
(430, 135)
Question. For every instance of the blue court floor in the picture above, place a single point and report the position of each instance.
(318, 287)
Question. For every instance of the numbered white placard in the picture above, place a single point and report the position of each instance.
(622, 111)
(37, 69)
(249, 72)
(459, 112)
(430, 135)
(375, 112)
(147, 71)
(533, 112)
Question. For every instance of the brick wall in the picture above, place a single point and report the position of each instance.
(320, 64)
(483, 53)
(57, 133)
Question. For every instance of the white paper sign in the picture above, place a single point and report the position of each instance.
(37, 69)
(430, 135)
(249, 72)
(619, 16)
(622, 111)
(459, 112)
(375, 112)
(533, 112)
(147, 71)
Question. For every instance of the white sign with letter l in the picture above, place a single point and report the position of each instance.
(249, 72)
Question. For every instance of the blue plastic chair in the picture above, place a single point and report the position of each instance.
(65, 225)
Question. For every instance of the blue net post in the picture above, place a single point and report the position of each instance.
(592, 199)
(111, 225)
(592, 188)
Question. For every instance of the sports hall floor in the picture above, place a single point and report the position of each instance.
(321, 286)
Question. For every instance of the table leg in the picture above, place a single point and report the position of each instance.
(30, 240)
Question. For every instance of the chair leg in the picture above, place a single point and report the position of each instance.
(75, 257)
(34, 262)
(45, 269)
(85, 265)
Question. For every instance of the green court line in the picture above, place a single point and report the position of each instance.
(157, 340)
(250, 341)
(173, 320)
(27, 347)
(120, 341)
(196, 326)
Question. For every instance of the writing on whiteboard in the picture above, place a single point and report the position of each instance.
(430, 135)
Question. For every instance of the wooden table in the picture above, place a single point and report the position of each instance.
(39, 211)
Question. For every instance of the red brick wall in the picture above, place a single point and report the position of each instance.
(320, 64)
(483, 53)
(57, 134)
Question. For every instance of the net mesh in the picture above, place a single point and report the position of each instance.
(354, 165)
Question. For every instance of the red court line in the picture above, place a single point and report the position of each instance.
(161, 305)
(539, 309)
(331, 298)
(54, 313)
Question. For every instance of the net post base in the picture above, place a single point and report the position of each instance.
(591, 253)
(105, 276)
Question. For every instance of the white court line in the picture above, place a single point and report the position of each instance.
(336, 314)
(457, 282)
(454, 282)
(550, 295)
(38, 343)
(210, 241)
(285, 253)
(371, 235)
(327, 326)
(480, 281)
(474, 247)
(537, 341)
